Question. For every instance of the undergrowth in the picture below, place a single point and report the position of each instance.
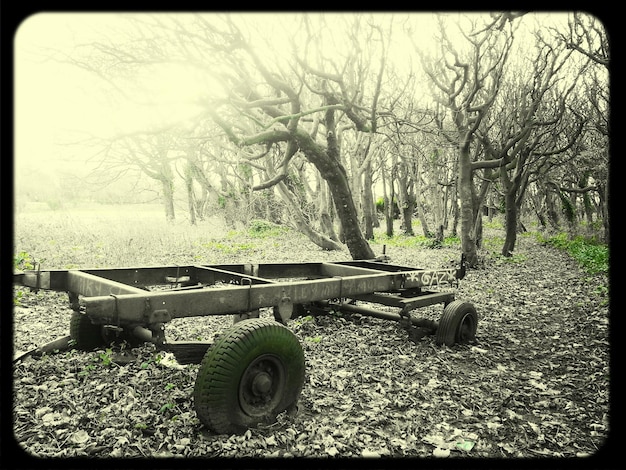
(592, 255)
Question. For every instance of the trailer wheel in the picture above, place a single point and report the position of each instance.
(253, 372)
(86, 335)
(457, 324)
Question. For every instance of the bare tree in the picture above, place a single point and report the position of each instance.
(274, 113)
(466, 84)
(153, 154)
(587, 36)
(529, 123)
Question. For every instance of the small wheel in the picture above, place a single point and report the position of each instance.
(253, 372)
(458, 324)
(86, 335)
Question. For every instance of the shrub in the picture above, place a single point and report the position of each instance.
(263, 229)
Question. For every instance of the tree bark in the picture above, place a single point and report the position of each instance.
(510, 224)
(325, 210)
(405, 198)
(468, 228)
(168, 199)
(327, 162)
(387, 202)
(367, 202)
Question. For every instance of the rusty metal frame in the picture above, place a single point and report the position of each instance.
(120, 296)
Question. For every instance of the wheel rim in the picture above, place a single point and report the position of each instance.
(467, 328)
(262, 385)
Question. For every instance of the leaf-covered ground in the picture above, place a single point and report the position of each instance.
(534, 384)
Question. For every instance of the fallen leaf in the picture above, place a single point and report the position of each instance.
(79, 437)
(465, 445)
(39, 412)
(367, 453)
(442, 453)
(332, 451)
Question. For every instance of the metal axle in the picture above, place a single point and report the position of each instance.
(372, 312)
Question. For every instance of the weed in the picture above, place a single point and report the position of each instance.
(302, 320)
(493, 243)
(23, 261)
(403, 241)
(88, 368)
(513, 259)
(415, 241)
(105, 357)
(18, 297)
(55, 204)
(166, 407)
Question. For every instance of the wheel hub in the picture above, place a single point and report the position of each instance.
(261, 384)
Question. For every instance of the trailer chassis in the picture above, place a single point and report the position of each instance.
(255, 369)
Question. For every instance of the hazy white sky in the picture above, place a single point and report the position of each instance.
(57, 102)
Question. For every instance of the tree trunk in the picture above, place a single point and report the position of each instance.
(510, 224)
(190, 195)
(346, 212)
(387, 210)
(328, 164)
(419, 206)
(326, 221)
(603, 192)
(367, 202)
(421, 216)
(454, 201)
(168, 199)
(301, 224)
(404, 198)
(468, 228)
(553, 215)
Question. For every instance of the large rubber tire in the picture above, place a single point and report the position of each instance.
(85, 334)
(253, 372)
(458, 324)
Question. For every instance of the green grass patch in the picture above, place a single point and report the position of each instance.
(493, 243)
(265, 229)
(495, 223)
(228, 247)
(451, 241)
(592, 255)
(415, 241)
(403, 241)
